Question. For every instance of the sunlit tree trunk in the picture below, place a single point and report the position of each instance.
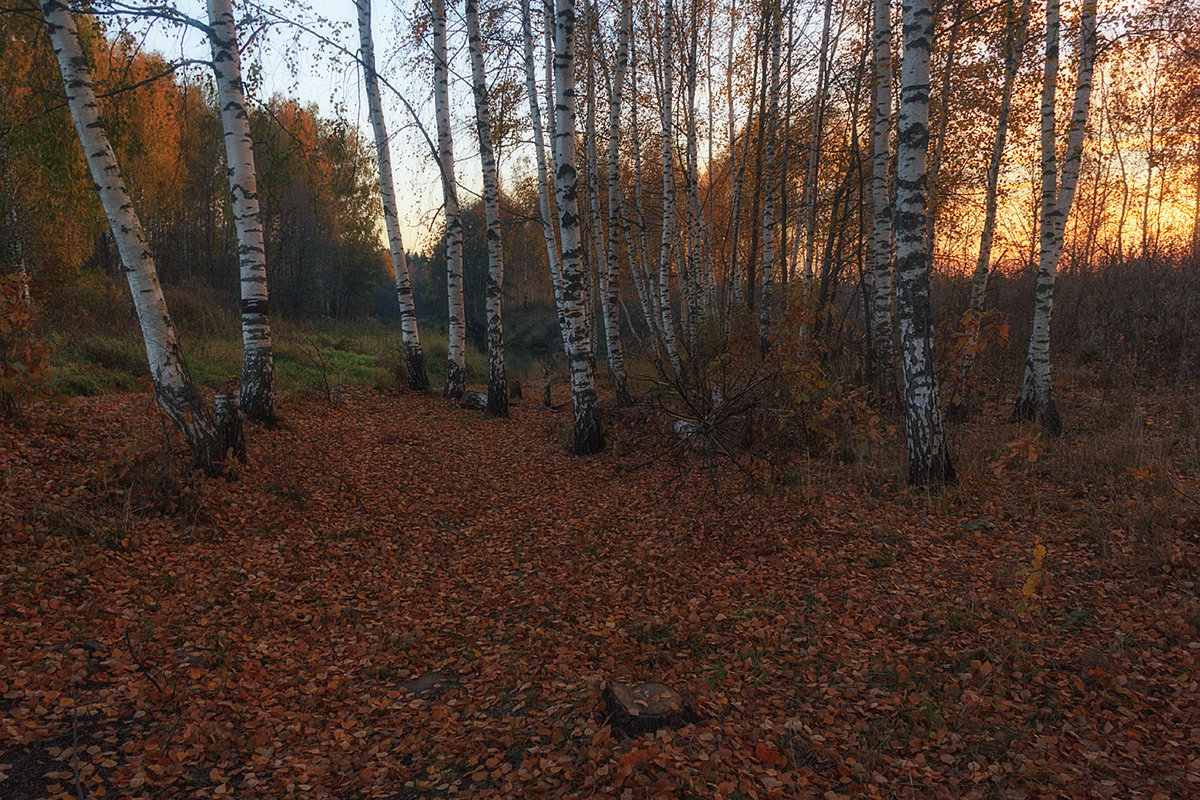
(882, 335)
(173, 388)
(670, 226)
(612, 293)
(414, 357)
(257, 393)
(588, 436)
(595, 222)
(1037, 397)
(1014, 44)
(928, 455)
(456, 372)
(497, 400)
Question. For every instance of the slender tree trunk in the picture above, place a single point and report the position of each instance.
(257, 392)
(173, 388)
(655, 295)
(1037, 397)
(882, 335)
(539, 143)
(456, 371)
(928, 454)
(612, 293)
(588, 436)
(814, 148)
(939, 142)
(1014, 44)
(497, 399)
(595, 224)
(769, 182)
(414, 357)
(670, 226)
(1196, 207)
(735, 277)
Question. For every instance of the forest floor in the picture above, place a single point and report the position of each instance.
(400, 599)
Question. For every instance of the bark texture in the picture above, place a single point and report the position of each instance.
(257, 393)
(928, 454)
(589, 437)
(414, 356)
(882, 329)
(1037, 396)
(497, 397)
(173, 389)
(456, 370)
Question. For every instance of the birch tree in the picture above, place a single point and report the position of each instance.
(258, 397)
(414, 357)
(589, 438)
(497, 399)
(881, 198)
(539, 144)
(1015, 37)
(769, 180)
(928, 455)
(456, 370)
(670, 216)
(814, 147)
(1037, 397)
(611, 285)
(173, 388)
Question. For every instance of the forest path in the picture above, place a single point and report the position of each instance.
(401, 599)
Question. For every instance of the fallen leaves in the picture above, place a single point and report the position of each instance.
(447, 633)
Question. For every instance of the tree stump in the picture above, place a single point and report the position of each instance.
(229, 421)
(473, 401)
(646, 707)
(514, 389)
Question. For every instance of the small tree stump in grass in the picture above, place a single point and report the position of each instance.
(646, 707)
(474, 401)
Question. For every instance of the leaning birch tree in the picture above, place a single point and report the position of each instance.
(414, 356)
(589, 438)
(456, 369)
(258, 396)
(884, 364)
(497, 396)
(1037, 393)
(1015, 36)
(209, 440)
(928, 454)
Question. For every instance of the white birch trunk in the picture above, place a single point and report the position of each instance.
(770, 184)
(497, 399)
(598, 264)
(172, 387)
(1014, 46)
(539, 143)
(589, 438)
(882, 335)
(414, 357)
(612, 290)
(670, 226)
(456, 371)
(257, 391)
(928, 455)
(1037, 396)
